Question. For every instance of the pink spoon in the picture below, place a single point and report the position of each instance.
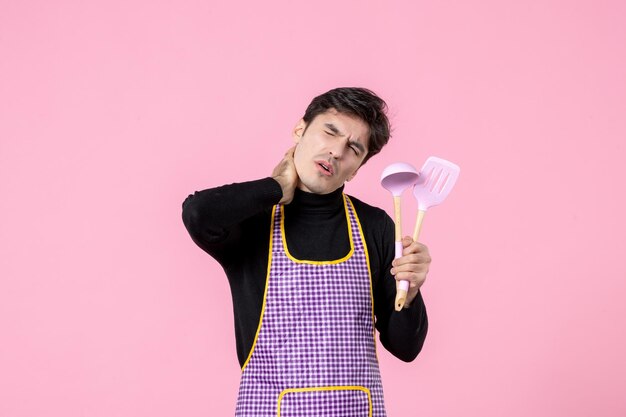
(396, 178)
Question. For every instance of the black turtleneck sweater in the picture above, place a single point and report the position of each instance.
(232, 224)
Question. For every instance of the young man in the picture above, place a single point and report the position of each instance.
(311, 270)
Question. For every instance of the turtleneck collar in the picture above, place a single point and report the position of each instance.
(303, 200)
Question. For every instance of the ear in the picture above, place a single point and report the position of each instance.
(298, 130)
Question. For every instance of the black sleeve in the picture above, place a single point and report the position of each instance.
(213, 217)
(401, 332)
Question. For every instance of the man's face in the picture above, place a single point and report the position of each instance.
(330, 152)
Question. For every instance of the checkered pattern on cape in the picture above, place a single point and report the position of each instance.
(315, 352)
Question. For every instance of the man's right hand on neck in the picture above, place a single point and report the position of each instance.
(286, 175)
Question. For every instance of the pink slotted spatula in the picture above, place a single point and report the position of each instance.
(436, 179)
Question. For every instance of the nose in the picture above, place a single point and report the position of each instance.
(336, 151)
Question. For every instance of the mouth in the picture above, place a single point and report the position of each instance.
(325, 167)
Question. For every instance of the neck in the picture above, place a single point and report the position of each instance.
(305, 200)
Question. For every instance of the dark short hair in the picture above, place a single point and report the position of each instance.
(359, 102)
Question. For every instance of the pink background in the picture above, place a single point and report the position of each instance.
(112, 112)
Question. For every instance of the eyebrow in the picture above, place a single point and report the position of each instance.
(336, 131)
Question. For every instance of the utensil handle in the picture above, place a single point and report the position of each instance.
(401, 291)
(403, 286)
(397, 218)
(418, 224)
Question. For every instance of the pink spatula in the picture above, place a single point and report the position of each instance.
(436, 179)
(396, 178)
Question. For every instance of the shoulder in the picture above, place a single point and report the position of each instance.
(377, 226)
(368, 213)
(379, 233)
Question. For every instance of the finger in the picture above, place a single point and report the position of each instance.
(412, 258)
(290, 152)
(418, 268)
(407, 261)
(414, 279)
(415, 247)
(407, 240)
